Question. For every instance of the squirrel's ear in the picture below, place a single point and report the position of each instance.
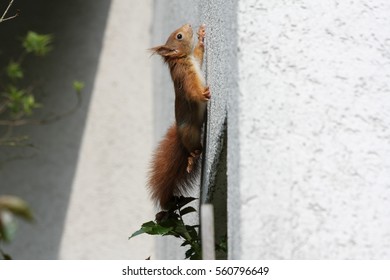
(164, 51)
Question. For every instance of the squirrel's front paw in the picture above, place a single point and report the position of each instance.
(201, 33)
(207, 94)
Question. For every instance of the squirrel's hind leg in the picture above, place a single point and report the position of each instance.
(191, 159)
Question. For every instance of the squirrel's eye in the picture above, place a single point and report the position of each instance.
(179, 36)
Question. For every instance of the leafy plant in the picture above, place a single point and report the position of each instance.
(170, 223)
(18, 100)
(38, 44)
(18, 104)
(11, 207)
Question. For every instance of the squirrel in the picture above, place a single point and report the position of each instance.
(176, 160)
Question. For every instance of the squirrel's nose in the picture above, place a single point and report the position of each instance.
(187, 26)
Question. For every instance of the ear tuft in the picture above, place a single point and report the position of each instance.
(164, 51)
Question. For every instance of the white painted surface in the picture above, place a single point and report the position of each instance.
(313, 124)
(109, 200)
(207, 231)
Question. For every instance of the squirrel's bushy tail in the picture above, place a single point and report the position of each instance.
(168, 176)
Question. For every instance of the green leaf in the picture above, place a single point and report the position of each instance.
(197, 249)
(195, 256)
(222, 246)
(189, 253)
(152, 228)
(148, 224)
(6, 256)
(38, 44)
(192, 232)
(78, 86)
(7, 225)
(13, 93)
(19, 101)
(171, 221)
(184, 201)
(16, 206)
(187, 210)
(155, 229)
(29, 104)
(138, 232)
(14, 71)
(181, 229)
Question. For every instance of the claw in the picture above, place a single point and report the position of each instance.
(191, 158)
(207, 94)
(201, 33)
(190, 164)
(195, 153)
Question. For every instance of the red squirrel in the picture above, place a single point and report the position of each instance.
(175, 162)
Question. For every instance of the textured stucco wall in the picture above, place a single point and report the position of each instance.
(309, 169)
(86, 180)
(306, 84)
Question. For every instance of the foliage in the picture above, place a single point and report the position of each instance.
(170, 223)
(38, 44)
(11, 207)
(18, 100)
(18, 104)
(78, 86)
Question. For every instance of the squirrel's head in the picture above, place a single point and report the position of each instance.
(179, 44)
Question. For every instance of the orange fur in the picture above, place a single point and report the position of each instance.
(168, 175)
(175, 163)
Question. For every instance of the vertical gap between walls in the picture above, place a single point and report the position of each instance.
(203, 176)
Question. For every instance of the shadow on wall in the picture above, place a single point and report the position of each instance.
(45, 179)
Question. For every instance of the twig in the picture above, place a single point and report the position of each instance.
(3, 18)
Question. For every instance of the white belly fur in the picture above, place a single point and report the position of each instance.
(199, 73)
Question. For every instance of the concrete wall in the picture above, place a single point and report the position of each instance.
(309, 169)
(308, 123)
(86, 180)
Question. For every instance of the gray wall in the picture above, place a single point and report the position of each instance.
(86, 180)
